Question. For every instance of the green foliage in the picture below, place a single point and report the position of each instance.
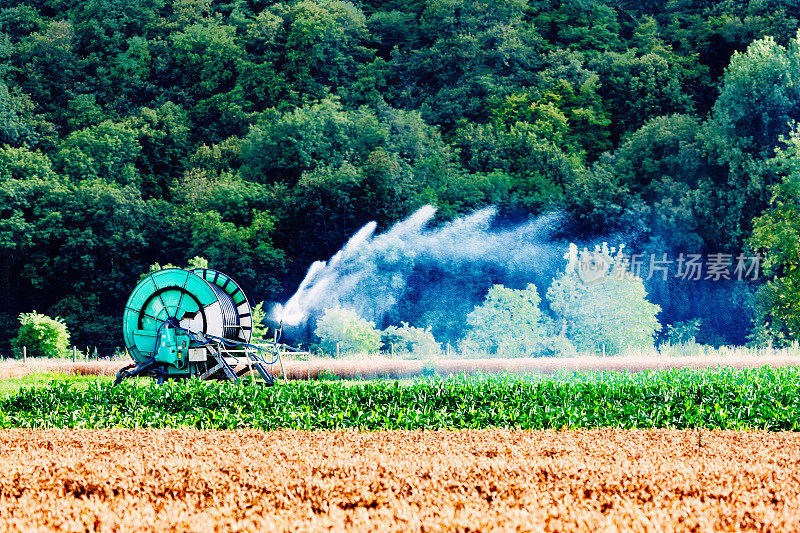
(508, 322)
(246, 252)
(43, 336)
(537, 170)
(637, 88)
(107, 151)
(194, 262)
(267, 133)
(345, 328)
(683, 332)
(24, 164)
(409, 340)
(599, 305)
(260, 330)
(207, 52)
(754, 399)
(323, 41)
(469, 51)
(17, 125)
(760, 98)
(571, 117)
(198, 262)
(776, 234)
(651, 182)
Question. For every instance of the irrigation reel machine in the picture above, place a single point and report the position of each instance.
(194, 323)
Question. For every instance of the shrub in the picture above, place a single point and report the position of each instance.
(683, 332)
(555, 346)
(347, 329)
(409, 340)
(43, 336)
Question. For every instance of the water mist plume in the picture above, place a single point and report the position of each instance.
(372, 273)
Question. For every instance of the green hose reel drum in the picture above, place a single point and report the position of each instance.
(173, 313)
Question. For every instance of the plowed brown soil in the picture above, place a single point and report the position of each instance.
(597, 480)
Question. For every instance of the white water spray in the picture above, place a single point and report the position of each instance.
(371, 273)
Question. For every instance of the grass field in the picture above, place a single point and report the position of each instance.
(472, 480)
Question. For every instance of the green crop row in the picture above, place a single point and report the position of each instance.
(732, 399)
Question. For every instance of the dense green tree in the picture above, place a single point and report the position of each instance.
(391, 30)
(208, 58)
(600, 203)
(572, 118)
(508, 322)
(538, 170)
(661, 164)
(205, 55)
(600, 306)
(49, 68)
(83, 112)
(337, 169)
(24, 164)
(714, 31)
(18, 126)
(20, 21)
(281, 147)
(164, 136)
(776, 234)
(760, 97)
(322, 44)
(476, 50)
(246, 252)
(108, 151)
(61, 239)
(640, 87)
(590, 27)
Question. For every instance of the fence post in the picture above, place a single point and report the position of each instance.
(337, 350)
(24, 354)
(73, 353)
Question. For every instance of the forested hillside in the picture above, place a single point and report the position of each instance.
(260, 135)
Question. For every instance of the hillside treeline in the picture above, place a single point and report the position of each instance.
(260, 135)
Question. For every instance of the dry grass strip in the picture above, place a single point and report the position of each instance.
(595, 480)
(404, 368)
(17, 369)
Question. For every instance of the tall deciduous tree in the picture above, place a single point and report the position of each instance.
(323, 44)
(776, 234)
(601, 307)
(760, 97)
(508, 322)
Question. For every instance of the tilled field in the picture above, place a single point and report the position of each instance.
(188, 480)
